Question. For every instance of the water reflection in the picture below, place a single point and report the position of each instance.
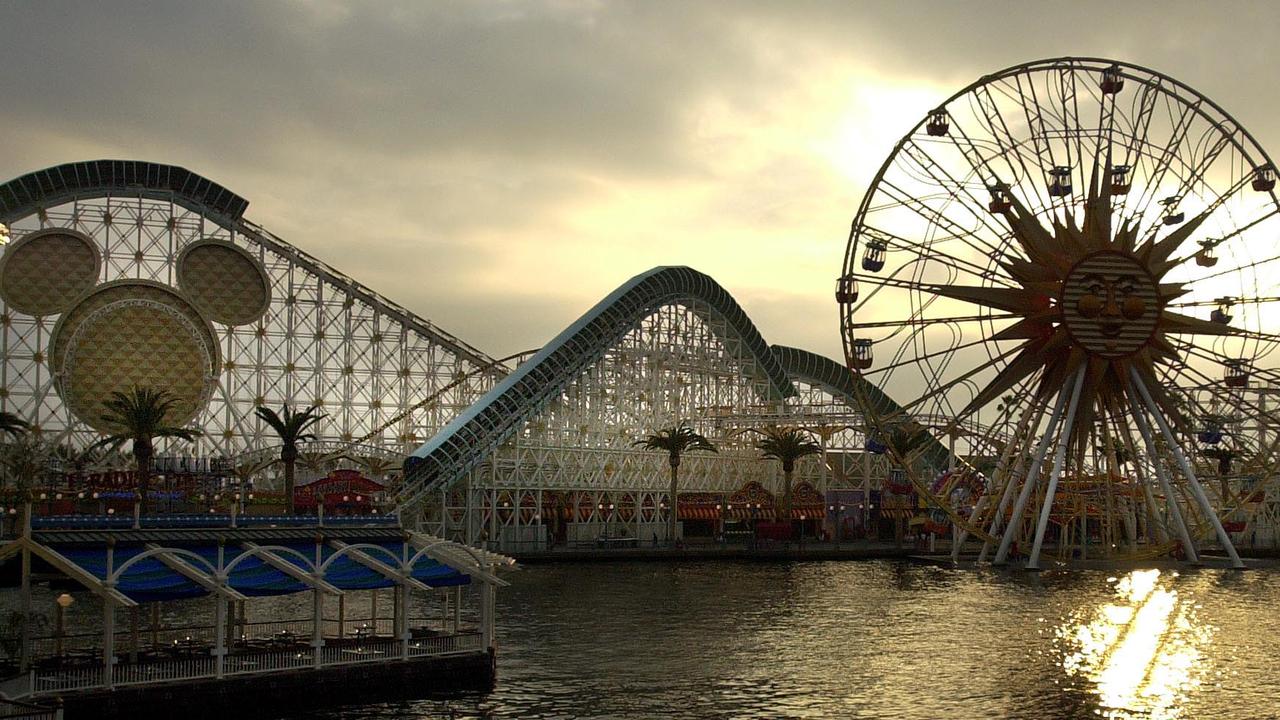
(870, 640)
(1142, 651)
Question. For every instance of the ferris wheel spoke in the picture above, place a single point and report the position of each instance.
(1235, 400)
(882, 370)
(918, 321)
(957, 189)
(996, 127)
(926, 249)
(993, 121)
(1145, 102)
(1165, 161)
(1067, 96)
(1039, 132)
(926, 254)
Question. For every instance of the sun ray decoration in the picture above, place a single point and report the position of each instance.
(1059, 225)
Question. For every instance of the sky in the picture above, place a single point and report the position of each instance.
(499, 167)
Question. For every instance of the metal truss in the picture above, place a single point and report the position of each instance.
(600, 334)
(325, 338)
(575, 456)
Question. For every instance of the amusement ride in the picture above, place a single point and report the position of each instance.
(1086, 254)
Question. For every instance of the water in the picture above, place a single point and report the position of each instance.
(874, 640)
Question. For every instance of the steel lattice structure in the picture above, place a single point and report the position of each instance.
(323, 339)
(669, 345)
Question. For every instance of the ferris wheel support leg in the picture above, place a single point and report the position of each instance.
(959, 534)
(1005, 474)
(1015, 521)
(1140, 419)
(1155, 530)
(1005, 497)
(1187, 470)
(1064, 439)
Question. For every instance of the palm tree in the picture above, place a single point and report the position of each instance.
(13, 425)
(139, 416)
(787, 444)
(292, 428)
(675, 441)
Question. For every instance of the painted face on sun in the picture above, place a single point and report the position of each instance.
(1109, 304)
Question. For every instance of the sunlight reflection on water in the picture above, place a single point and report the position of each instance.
(1143, 651)
(874, 640)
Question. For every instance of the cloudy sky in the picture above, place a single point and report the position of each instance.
(498, 167)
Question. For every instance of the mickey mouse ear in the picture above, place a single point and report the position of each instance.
(45, 271)
(224, 281)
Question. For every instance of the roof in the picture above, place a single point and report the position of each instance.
(98, 177)
(164, 564)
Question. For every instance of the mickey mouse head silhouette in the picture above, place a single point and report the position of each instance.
(115, 335)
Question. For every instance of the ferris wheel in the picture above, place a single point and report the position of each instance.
(1080, 256)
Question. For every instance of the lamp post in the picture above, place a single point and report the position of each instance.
(838, 509)
(163, 482)
(755, 510)
(63, 602)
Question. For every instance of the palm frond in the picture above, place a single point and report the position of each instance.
(11, 424)
(676, 440)
(787, 444)
(289, 425)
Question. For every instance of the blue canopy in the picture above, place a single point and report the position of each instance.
(171, 572)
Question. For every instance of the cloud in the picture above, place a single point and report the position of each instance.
(500, 166)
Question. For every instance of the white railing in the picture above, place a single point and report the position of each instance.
(446, 645)
(47, 681)
(267, 662)
(367, 651)
(348, 652)
(142, 673)
(276, 628)
(360, 627)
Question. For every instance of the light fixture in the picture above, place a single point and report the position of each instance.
(64, 600)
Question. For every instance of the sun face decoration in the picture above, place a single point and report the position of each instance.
(1090, 296)
(1110, 305)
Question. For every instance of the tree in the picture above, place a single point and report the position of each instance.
(675, 441)
(140, 416)
(13, 425)
(787, 444)
(292, 428)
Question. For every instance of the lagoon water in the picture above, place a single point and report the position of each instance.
(874, 639)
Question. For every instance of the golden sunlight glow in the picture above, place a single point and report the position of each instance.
(1142, 652)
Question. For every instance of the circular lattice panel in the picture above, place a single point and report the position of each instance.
(133, 333)
(45, 271)
(227, 283)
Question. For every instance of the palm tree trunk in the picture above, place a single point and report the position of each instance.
(143, 453)
(671, 516)
(288, 486)
(786, 496)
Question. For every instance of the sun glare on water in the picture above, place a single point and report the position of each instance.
(1141, 652)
